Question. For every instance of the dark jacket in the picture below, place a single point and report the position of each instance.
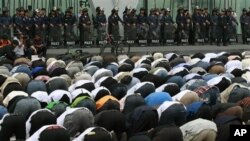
(7, 51)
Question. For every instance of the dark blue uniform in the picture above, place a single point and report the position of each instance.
(232, 27)
(223, 22)
(167, 24)
(113, 26)
(28, 25)
(214, 23)
(126, 20)
(55, 28)
(153, 22)
(133, 26)
(84, 25)
(183, 27)
(208, 25)
(69, 23)
(101, 23)
(5, 25)
(196, 25)
(244, 26)
(142, 27)
(203, 25)
(17, 24)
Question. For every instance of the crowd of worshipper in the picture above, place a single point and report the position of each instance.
(60, 27)
(154, 97)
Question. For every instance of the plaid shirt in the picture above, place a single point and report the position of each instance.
(201, 90)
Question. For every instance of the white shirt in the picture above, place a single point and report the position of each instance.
(19, 50)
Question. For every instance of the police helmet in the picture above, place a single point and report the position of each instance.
(68, 11)
(21, 9)
(142, 9)
(84, 10)
(133, 10)
(113, 11)
(152, 10)
(98, 9)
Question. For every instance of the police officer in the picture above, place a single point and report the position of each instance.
(37, 21)
(55, 25)
(133, 25)
(69, 24)
(182, 22)
(101, 24)
(188, 26)
(142, 25)
(223, 22)
(113, 24)
(232, 24)
(84, 25)
(203, 24)
(167, 24)
(153, 24)
(244, 25)
(126, 21)
(196, 23)
(20, 22)
(214, 23)
(16, 20)
(45, 23)
(27, 24)
(5, 23)
(207, 18)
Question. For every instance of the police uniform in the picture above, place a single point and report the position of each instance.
(153, 22)
(214, 23)
(133, 25)
(126, 21)
(142, 25)
(101, 23)
(19, 21)
(69, 23)
(16, 20)
(38, 23)
(183, 26)
(244, 25)
(196, 24)
(232, 26)
(167, 26)
(45, 23)
(55, 24)
(207, 18)
(27, 22)
(223, 22)
(5, 24)
(84, 25)
(113, 25)
(203, 25)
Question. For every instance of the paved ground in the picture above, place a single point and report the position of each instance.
(164, 49)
